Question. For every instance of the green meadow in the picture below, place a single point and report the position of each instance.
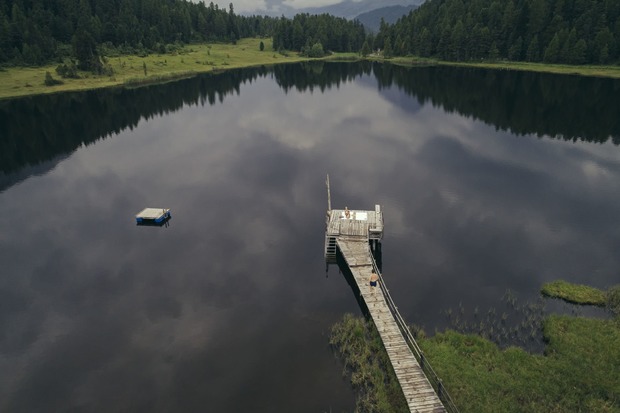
(132, 70)
(189, 60)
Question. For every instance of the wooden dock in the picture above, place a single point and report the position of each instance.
(418, 391)
(355, 234)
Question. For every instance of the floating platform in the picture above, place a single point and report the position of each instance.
(153, 216)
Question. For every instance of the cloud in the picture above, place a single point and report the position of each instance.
(272, 6)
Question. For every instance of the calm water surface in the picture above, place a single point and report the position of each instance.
(489, 181)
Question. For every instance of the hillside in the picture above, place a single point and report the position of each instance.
(372, 19)
(349, 9)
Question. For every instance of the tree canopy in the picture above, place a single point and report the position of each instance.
(304, 31)
(33, 32)
(554, 31)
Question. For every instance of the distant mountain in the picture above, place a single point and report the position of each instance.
(348, 9)
(372, 19)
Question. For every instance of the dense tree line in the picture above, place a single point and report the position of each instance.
(553, 31)
(33, 32)
(305, 32)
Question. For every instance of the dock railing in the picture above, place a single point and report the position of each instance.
(431, 375)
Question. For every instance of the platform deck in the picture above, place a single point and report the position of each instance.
(366, 224)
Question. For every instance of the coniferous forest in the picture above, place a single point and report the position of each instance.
(34, 32)
(550, 31)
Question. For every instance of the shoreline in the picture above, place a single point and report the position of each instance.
(609, 72)
(134, 71)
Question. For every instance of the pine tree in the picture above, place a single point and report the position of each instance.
(533, 50)
(552, 51)
(387, 48)
(365, 49)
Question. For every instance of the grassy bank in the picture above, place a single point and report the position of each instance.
(574, 293)
(596, 71)
(192, 59)
(579, 371)
(130, 70)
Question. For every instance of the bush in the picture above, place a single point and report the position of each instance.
(50, 81)
(613, 300)
(67, 71)
(316, 50)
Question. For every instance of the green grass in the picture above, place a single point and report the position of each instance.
(580, 371)
(583, 70)
(574, 293)
(200, 58)
(129, 69)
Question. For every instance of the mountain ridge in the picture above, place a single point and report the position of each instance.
(348, 9)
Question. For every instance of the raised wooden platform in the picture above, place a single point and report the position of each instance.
(359, 223)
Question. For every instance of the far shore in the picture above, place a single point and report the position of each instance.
(191, 60)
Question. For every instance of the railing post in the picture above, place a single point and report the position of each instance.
(422, 361)
(439, 387)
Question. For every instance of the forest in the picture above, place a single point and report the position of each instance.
(35, 32)
(309, 34)
(550, 31)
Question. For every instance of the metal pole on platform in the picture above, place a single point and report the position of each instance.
(329, 195)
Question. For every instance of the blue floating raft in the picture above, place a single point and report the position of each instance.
(153, 215)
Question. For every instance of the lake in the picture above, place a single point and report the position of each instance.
(489, 181)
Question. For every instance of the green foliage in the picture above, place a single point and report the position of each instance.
(360, 346)
(577, 373)
(316, 50)
(333, 33)
(613, 300)
(68, 71)
(574, 293)
(556, 31)
(365, 49)
(387, 48)
(35, 32)
(50, 81)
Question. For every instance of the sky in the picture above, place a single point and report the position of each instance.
(248, 6)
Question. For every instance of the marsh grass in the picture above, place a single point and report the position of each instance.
(358, 343)
(578, 371)
(512, 323)
(574, 293)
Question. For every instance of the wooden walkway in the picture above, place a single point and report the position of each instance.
(419, 393)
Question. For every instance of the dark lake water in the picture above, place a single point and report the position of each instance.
(489, 180)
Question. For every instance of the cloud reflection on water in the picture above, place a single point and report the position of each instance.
(228, 308)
